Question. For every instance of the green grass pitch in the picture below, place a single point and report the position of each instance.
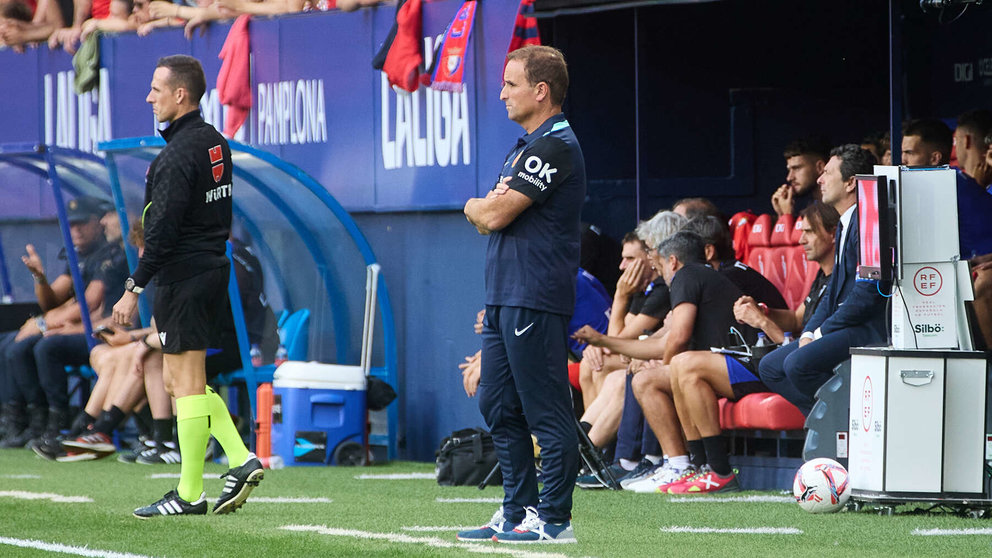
(367, 517)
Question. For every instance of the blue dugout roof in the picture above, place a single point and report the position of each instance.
(312, 253)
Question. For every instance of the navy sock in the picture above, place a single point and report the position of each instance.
(697, 453)
(109, 420)
(716, 455)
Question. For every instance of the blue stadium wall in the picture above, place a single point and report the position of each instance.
(707, 104)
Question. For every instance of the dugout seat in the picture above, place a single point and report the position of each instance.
(782, 248)
(573, 375)
(760, 411)
(294, 335)
(759, 244)
(740, 228)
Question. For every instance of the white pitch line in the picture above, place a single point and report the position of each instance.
(433, 542)
(283, 500)
(469, 500)
(65, 549)
(21, 476)
(735, 530)
(24, 495)
(950, 532)
(748, 499)
(397, 476)
(431, 528)
(176, 476)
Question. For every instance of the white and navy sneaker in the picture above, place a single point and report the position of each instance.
(239, 482)
(662, 476)
(644, 469)
(498, 524)
(536, 530)
(172, 504)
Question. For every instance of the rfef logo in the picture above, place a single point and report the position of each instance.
(927, 281)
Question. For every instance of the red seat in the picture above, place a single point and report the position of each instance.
(797, 231)
(767, 411)
(740, 228)
(766, 257)
(726, 414)
(759, 242)
(573, 375)
(782, 232)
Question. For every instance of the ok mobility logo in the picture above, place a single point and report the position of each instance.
(534, 164)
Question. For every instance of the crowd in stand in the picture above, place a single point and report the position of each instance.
(66, 24)
(650, 380)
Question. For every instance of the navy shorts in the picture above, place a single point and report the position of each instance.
(742, 380)
(189, 314)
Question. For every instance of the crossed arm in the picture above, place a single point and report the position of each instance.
(498, 209)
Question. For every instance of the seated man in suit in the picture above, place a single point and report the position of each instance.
(851, 313)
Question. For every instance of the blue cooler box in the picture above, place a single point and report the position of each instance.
(318, 413)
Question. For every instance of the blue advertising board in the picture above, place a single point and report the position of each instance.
(317, 102)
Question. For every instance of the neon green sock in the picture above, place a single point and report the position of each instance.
(222, 428)
(193, 425)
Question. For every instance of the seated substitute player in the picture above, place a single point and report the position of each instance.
(702, 313)
(852, 312)
(187, 220)
(640, 303)
(700, 377)
(817, 240)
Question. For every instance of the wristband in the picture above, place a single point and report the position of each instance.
(40, 279)
(764, 307)
(144, 339)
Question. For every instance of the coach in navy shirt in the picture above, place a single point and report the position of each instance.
(532, 219)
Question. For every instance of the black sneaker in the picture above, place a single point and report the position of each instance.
(172, 504)
(48, 448)
(240, 481)
(159, 456)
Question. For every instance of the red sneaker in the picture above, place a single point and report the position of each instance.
(706, 482)
(93, 442)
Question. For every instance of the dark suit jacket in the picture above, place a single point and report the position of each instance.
(848, 302)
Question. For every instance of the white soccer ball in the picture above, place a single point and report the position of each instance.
(821, 486)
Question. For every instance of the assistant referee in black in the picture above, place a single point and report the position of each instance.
(187, 220)
(532, 219)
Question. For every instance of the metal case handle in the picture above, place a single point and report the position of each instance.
(916, 378)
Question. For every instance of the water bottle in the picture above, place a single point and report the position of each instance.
(256, 355)
(762, 340)
(282, 355)
(788, 338)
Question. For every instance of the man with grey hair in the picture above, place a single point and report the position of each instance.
(615, 412)
(851, 312)
(702, 314)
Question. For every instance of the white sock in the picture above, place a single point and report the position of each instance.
(656, 459)
(679, 461)
(627, 464)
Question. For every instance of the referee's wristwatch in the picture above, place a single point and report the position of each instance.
(131, 287)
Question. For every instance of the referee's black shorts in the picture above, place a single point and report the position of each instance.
(189, 314)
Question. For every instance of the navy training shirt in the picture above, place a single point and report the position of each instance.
(532, 263)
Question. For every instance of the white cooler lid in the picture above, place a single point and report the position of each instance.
(317, 375)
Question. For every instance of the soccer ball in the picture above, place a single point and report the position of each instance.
(821, 486)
